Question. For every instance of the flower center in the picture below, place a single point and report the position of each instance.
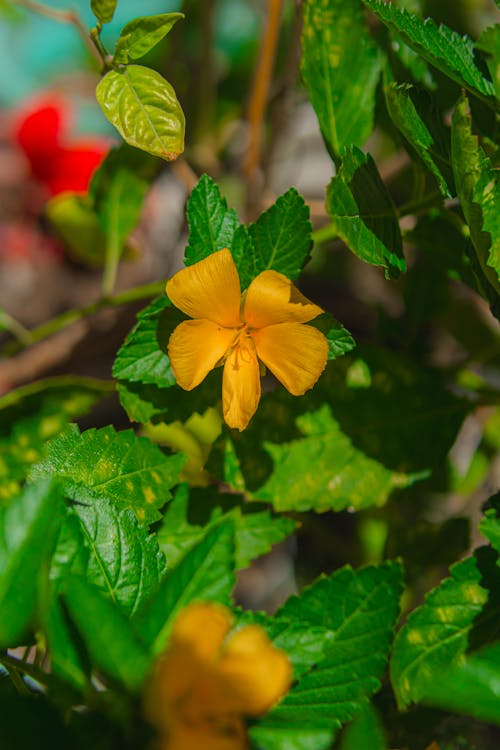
(242, 346)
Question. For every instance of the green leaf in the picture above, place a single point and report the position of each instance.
(35, 413)
(470, 687)
(144, 109)
(489, 43)
(103, 10)
(437, 633)
(78, 227)
(211, 223)
(68, 659)
(408, 109)
(122, 559)
(281, 236)
(113, 646)
(358, 612)
(413, 62)
(478, 188)
(129, 471)
(29, 527)
(206, 573)
(443, 48)
(339, 339)
(340, 66)
(256, 529)
(490, 524)
(364, 731)
(363, 213)
(139, 36)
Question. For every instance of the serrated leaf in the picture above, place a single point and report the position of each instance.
(144, 109)
(478, 188)
(470, 687)
(122, 559)
(339, 339)
(440, 46)
(358, 610)
(281, 236)
(413, 62)
(35, 413)
(113, 646)
(139, 36)
(437, 633)
(129, 471)
(29, 527)
(340, 66)
(211, 223)
(363, 213)
(103, 10)
(419, 133)
(489, 43)
(256, 530)
(206, 573)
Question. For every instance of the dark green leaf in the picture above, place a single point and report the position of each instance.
(490, 524)
(340, 66)
(144, 109)
(358, 611)
(489, 43)
(206, 573)
(29, 527)
(339, 339)
(129, 471)
(440, 46)
(113, 646)
(103, 10)
(363, 213)
(364, 731)
(211, 223)
(408, 110)
(142, 34)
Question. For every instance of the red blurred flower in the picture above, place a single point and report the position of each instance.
(56, 162)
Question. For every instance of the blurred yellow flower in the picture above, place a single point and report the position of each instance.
(265, 323)
(208, 681)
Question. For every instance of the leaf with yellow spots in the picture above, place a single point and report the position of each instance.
(129, 471)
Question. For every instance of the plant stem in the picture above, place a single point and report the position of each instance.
(324, 234)
(15, 328)
(421, 204)
(71, 316)
(64, 16)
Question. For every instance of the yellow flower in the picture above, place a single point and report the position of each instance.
(265, 323)
(206, 682)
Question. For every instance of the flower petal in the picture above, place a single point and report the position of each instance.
(194, 349)
(240, 385)
(272, 298)
(209, 289)
(295, 353)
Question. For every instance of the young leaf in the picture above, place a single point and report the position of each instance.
(281, 236)
(103, 10)
(340, 66)
(144, 109)
(437, 633)
(363, 213)
(211, 223)
(29, 527)
(205, 573)
(358, 610)
(440, 46)
(478, 188)
(419, 133)
(131, 472)
(139, 36)
(113, 646)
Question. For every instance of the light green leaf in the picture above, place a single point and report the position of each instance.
(429, 140)
(440, 46)
(363, 213)
(77, 225)
(29, 527)
(113, 646)
(256, 529)
(103, 10)
(211, 223)
(144, 109)
(470, 687)
(358, 611)
(478, 188)
(129, 471)
(364, 731)
(206, 573)
(142, 34)
(122, 559)
(437, 634)
(340, 66)
(35, 413)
